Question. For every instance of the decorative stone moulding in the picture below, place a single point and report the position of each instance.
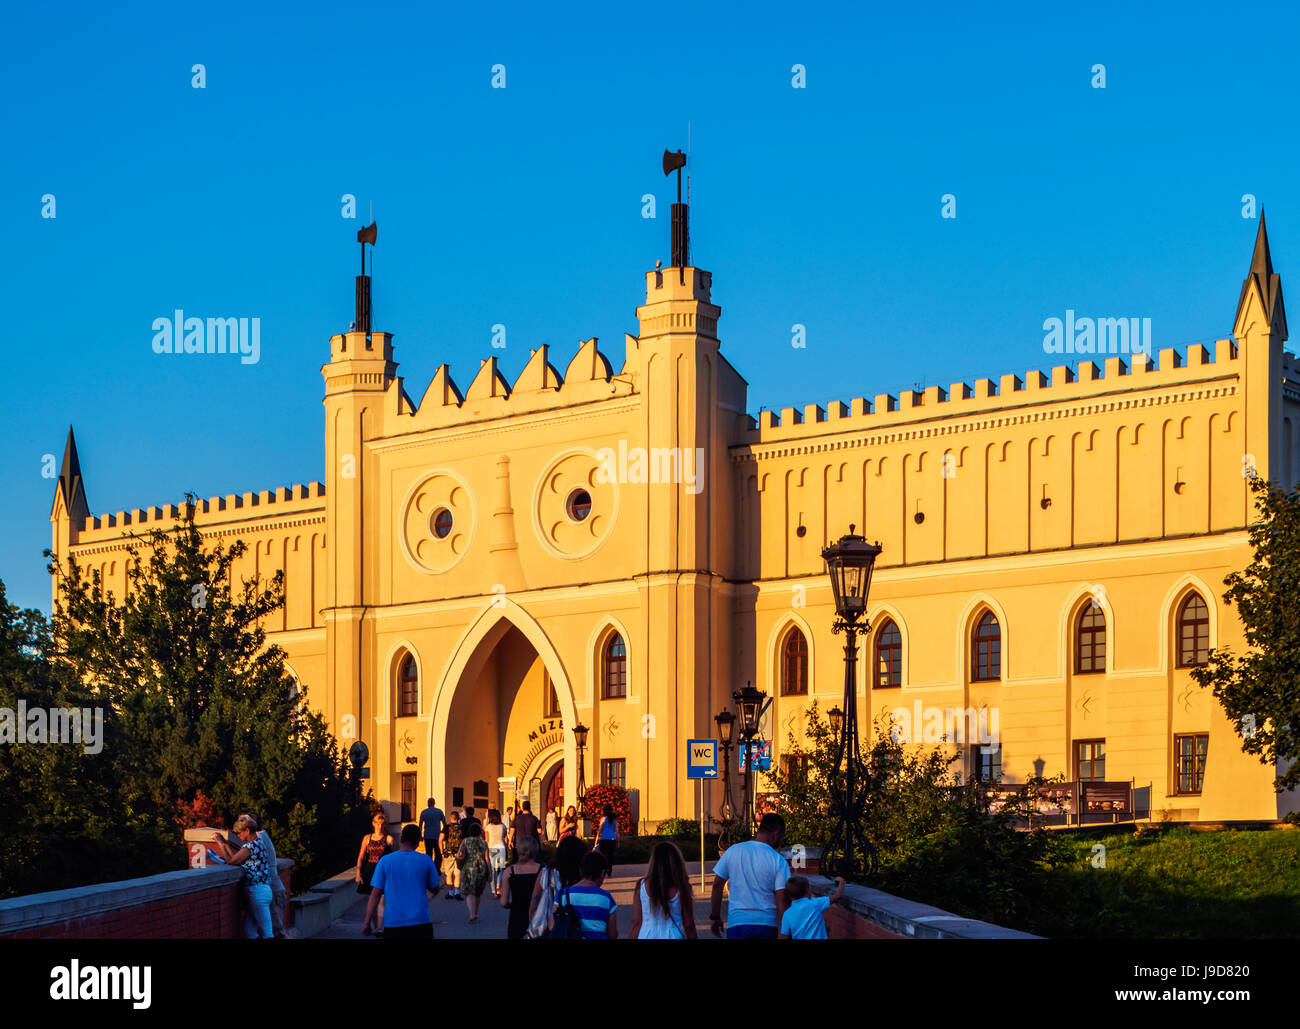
(428, 542)
(568, 525)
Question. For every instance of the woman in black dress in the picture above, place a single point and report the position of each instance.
(373, 846)
(517, 883)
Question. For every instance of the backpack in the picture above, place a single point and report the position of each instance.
(567, 924)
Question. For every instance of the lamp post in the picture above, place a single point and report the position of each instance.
(726, 723)
(752, 704)
(580, 738)
(850, 561)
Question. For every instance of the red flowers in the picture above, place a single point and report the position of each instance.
(593, 806)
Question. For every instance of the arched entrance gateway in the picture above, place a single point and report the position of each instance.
(499, 729)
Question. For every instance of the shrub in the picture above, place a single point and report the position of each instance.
(679, 827)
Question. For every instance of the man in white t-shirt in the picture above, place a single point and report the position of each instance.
(755, 875)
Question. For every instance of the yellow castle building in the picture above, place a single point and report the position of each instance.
(621, 545)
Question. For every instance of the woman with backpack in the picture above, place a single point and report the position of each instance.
(565, 871)
(663, 906)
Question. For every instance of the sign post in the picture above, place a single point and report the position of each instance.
(701, 764)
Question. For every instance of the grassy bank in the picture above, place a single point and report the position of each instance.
(1177, 883)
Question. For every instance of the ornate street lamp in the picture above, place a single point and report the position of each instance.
(752, 704)
(726, 723)
(580, 738)
(850, 561)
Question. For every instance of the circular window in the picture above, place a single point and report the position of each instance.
(441, 523)
(578, 506)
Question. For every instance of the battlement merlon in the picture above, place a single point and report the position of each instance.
(677, 301)
(359, 362)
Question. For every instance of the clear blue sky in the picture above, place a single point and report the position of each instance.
(522, 206)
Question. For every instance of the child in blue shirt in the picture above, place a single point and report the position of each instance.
(803, 918)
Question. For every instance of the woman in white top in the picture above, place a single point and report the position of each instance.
(664, 906)
(494, 833)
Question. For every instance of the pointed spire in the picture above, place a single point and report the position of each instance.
(1262, 280)
(70, 485)
(71, 466)
(1261, 261)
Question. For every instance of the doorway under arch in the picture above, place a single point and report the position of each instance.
(494, 716)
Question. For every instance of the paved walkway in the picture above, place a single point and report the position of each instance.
(451, 919)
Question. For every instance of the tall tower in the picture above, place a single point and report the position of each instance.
(692, 396)
(70, 510)
(1260, 330)
(359, 371)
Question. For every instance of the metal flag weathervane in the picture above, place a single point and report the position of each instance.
(676, 162)
(370, 234)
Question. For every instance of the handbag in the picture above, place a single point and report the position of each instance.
(567, 924)
(541, 921)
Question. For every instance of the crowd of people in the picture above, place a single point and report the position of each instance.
(565, 897)
(561, 898)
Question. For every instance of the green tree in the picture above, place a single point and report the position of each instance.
(205, 711)
(1260, 690)
(938, 839)
(59, 803)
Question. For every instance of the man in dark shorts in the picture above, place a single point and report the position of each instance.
(432, 821)
(406, 877)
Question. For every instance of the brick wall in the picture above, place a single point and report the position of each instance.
(195, 904)
(843, 924)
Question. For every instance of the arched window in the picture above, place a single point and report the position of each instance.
(1193, 632)
(613, 662)
(986, 649)
(408, 688)
(889, 655)
(295, 701)
(794, 664)
(1090, 640)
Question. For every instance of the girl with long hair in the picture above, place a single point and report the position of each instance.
(569, 823)
(664, 906)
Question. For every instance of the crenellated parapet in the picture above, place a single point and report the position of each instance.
(1066, 391)
(212, 512)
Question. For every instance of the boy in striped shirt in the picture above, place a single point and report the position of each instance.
(595, 906)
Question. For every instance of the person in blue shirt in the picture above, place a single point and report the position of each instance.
(405, 877)
(754, 876)
(803, 919)
(595, 907)
(607, 834)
